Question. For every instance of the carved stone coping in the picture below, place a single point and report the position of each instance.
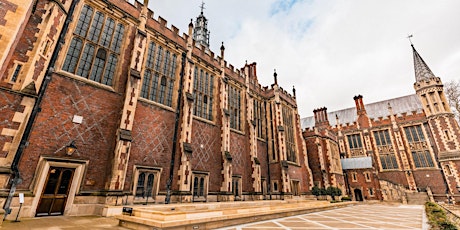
(228, 156)
(135, 74)
(189, 96)
(226, 112)
(142, 33)
(188, 147)
(284, 164)
(125, 135)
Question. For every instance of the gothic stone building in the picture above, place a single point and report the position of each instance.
(389, 149)
(102, 104)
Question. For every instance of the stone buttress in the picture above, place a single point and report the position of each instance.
(226, 188)
(249, 72)
(185, 135)
(279, 126)
(124, 137)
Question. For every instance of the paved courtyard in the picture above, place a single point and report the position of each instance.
(356, 217)
(374, 216)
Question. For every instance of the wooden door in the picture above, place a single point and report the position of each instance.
(55, 192)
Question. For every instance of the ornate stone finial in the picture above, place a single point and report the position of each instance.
(275, 75)
(293, 91)
(222, 47)
(408, 37)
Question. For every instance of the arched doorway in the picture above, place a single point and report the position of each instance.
(358, 194)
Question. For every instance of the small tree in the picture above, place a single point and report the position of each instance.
(316, 191)
(323, 191)
(333, 192)
(452, 91)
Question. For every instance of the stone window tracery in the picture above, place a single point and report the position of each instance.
(234, 106)
(355, 145)
(95, 47)
(421, 155)
(203, 86)
(289, 134)
(146, 185)
(385, 150)
(159, 75)
(200, 184)
(259, 117)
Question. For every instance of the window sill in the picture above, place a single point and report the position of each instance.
(85, 80)
(203, 120)
(165, 107)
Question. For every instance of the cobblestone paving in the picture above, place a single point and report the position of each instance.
(353, 218)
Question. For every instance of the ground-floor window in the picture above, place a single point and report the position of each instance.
(146, 186)
(264, 186)
(275, 186)
(200, 186)
(354, 177)
(295, 188)
(236, 186)
(371, 192)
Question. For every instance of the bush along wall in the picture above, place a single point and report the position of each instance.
(437, 217)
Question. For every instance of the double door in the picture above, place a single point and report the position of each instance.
(56, 190)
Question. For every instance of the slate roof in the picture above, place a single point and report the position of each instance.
(405, 104)
(356, 163)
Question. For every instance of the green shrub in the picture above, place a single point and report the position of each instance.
(346, 198)
(316, 191)
(437, 218)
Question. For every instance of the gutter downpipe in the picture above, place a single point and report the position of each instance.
(176, 127)
(36, 109)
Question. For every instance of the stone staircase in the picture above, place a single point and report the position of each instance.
(417, 198)
(218, 214)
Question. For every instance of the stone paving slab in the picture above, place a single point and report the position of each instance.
(64, 223)
(374, 216)
(358, 217)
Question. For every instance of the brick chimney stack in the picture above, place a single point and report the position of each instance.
(360, 109)
(321, 117)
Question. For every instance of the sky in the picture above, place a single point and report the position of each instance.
(330, 50)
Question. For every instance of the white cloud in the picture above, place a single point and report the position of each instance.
(330, 50)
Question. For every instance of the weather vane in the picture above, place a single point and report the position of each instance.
(409, 36)
(202, 6)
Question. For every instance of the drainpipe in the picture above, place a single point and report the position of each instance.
(176, 127)
(268, 153)
(36, 109)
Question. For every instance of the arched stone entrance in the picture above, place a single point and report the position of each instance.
(358, 194)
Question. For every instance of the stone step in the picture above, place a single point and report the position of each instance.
(221, 214)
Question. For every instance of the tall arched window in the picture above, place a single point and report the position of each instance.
(203, 85)
(162, 65)
(95, 47)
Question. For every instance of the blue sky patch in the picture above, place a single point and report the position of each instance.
(282, 6)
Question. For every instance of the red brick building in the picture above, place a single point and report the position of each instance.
(389, 150)
(102, 104)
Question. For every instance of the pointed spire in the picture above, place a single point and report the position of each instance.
(422, 71)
